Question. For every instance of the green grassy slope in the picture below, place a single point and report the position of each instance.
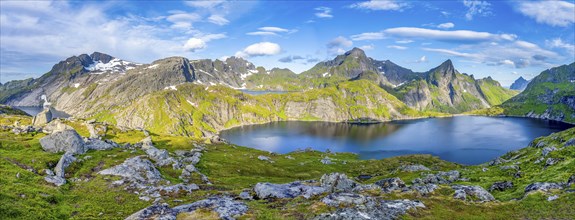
(195, 110)
(233, 168)
(493, 92)
(550, 93)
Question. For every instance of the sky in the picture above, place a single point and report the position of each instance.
(501, 39)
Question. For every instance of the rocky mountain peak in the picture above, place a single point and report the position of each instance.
(104, 58)
(356, 52)
(519, 84)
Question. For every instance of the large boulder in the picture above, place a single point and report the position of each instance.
(288, 190)
(337, 182)
(63, 141)
(542, 187)
(42, 118)
(56, 126)
(64, 162)
(413, 168)
(501, 186)
(439, 178)
(471, 193)
(136, 170)
(425, 189)
(391, 184)
(161, 157)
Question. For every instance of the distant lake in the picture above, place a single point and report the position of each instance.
(463, 139)
(34, 110)
(254, 92)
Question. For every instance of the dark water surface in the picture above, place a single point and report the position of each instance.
(462, 139)
(34, 110)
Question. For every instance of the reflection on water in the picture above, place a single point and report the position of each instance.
(465, 139)
(34, 110)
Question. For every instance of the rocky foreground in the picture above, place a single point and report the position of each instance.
(85, 169)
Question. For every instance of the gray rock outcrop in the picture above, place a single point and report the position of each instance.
(439, 178)
(542, 187)
(470, 192)
(160, 156)
(425, 189)
(63, 163)
(337, 182)
(288, 190)
(63, 141)
(42, 117)
(413, 168)
(97, 144)
(354, 206)
(136, 170)
(226, 207)
(391, 184)
(501, 186)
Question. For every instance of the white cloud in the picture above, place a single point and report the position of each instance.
(558, 43)
(218, 19)
(200, 41)
(338, 45)
(447, 25)
(554, 13)
(368, 36)
(423, 59)
(367, 47)
(397, 47)
(262, 33)
(273, 29)
(260, 49)
(194, 44)
(451, 52)
(476, 7)
(204, 3)
(340, 42)
(459, 35)
(519, 54)
(183, 20)
(380, 5)
(323, 12)
(404, 41)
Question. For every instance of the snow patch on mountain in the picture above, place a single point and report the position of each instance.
(115, 66)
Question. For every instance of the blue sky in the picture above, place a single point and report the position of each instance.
(502, 39)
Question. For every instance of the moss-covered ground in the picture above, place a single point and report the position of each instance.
(25, 195)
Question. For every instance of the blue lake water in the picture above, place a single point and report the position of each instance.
(462, 139)
(34, 110)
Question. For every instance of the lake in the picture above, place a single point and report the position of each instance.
(34, 110)
(463, 139)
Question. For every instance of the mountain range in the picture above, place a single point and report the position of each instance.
(200, 97)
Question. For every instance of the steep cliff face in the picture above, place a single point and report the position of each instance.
(550, 95)
(444, 89)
